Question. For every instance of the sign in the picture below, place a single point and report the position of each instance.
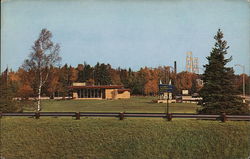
(185, 92)
(165, 88)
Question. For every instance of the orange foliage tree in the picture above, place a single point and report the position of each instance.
(25, 91)
(185, 81)
(152, 81)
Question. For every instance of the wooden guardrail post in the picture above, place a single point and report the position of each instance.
(77, 115)
(37, 115)
(169, 117)
(223, 117)
(121, 115)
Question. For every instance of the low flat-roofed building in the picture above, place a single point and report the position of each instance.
(99, 92)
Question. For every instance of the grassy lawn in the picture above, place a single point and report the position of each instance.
(108, 138)
(134, 104)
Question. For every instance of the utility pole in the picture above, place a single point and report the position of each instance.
(94, 76)
(243, 87)
(167, 103)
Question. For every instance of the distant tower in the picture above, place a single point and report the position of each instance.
(192, 63)
(189, 62)
(195, 65)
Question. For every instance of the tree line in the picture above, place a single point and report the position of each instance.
(23, 83)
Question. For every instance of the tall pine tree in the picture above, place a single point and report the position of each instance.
(102, 74)
(218, 91)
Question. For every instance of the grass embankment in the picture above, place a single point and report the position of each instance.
(131, 138)
(134, 104)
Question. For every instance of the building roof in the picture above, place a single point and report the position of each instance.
(97, 86)
(123, 90)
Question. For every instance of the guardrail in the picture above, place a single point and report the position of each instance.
(122, 115)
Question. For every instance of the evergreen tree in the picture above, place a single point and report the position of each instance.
(218, 92)
(102, 74)
(64, 81)
(88, 72)
(80, 75)
(138, 82)
(124, 77)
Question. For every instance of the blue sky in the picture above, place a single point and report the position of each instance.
(126, 33)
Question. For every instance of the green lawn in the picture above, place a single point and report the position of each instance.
(110, 138)
(134, 104)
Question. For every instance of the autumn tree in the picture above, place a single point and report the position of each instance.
(115, 77)
(7, 104)
(72, 75)
(13, 82)
(44, 55)
(80, 76)
(25, 91)
(218, 92)
(152, 81)
(26, 79)
(67, 75)
(53, 83)
(184, 81)
(248, 86)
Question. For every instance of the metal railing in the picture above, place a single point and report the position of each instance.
(122, 115)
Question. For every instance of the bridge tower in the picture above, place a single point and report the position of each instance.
(189, 62)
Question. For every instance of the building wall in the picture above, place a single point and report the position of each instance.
(75, 95)
(111, 93)
(124, 95)
(88, 98)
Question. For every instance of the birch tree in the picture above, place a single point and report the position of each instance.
(44, 55)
